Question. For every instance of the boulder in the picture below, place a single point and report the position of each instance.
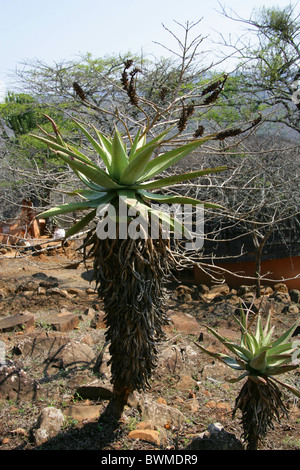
(280, 287)
(98, 321)
(216, 292)
(21, 321)
(95, 390)
(88, 313)
(71, 356)
(221, 289)
(63, 321)
(148, 435)
(178, 359)
(184, 322)
(203, 289)
(161, 415)
(215, 438)
(40, 346)
(280, 296)
(243, 289)
(83, 412)
(182, 289)
(48, 425)
(15, 384)
(266, 290)
(56, 291)
(291, 308)
(28, 286)
(295, 296)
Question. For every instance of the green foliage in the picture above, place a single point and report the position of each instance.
(258, 355)
(127, 172)
(279, 24)
(19, 113)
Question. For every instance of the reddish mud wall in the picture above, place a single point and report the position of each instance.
(276, 269)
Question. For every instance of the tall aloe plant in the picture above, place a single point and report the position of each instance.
(130, 271)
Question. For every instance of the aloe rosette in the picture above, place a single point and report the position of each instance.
(129, 174)
(258, 355)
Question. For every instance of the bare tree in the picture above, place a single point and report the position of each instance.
(261, 199)
(268, 58)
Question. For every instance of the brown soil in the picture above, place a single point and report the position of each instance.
(214, 396)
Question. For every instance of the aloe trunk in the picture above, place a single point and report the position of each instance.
(260, 405)
(130, 275)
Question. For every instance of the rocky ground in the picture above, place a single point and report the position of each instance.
(54, 379)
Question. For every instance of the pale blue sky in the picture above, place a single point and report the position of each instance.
(55, 30)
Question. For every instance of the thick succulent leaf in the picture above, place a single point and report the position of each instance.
(105, 142)
(267, 338)
(285, 336)
(87, 193)
(77, 206)
(238, 379)
(57, 139)
(137, 143)
(176, 179)
(169, 199)
(267, 325)
(119, 158)
(261, 349)
(280, 349)
(155, 215)
(239, 350)
(259, 362)
(259, 330)
(279, 360)
(81, 224)
(282, 369)
(136, 166)
(81, 156)
(88, 183)
(240, 322)
(65, 149)
(167, 159)
(294, 390)
(95, 144)
(97, 175)
(106, 146)
(66, 208)
(58, 136)
(251, 342)
(155, 141)
(229, 361)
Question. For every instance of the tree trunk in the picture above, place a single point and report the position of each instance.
(117, 403)
(130, 275)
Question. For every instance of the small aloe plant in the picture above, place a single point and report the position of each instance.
(261, 359)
